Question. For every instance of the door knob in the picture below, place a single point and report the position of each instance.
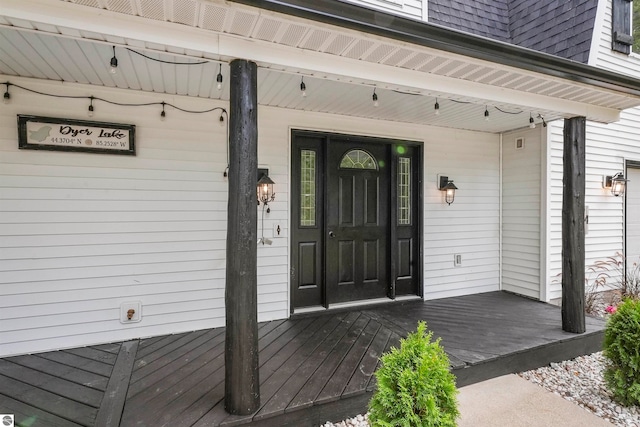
(332, 234)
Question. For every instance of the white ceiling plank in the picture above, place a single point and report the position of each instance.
(17, 62)
(126, 77)
(169, 78)
(100, 55)
(209, 87)
(140, 67)
(30, 54)
(6, 68)
(83, 70)
(44, 50)
(195, 77)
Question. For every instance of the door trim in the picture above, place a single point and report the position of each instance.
(416, 194)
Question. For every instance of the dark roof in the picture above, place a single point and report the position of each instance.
(558, 27)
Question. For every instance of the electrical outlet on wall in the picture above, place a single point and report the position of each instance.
(457, 260)
(131, 312)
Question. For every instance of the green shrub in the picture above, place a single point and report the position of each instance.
(415, 387)
(622, 351)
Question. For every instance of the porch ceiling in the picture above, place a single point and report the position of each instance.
(60, 40)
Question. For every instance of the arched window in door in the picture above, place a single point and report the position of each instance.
(358, 159)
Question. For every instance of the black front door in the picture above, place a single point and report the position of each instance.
(357, 221)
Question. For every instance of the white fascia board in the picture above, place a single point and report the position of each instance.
(83, 18)
(64, 14)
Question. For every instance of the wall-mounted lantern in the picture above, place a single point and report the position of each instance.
(264, 190)
(446, 185)
(617, 183)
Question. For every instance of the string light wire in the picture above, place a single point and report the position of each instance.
(224, 115)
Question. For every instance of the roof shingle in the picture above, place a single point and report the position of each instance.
(559, 27)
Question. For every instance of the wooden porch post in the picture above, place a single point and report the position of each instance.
(573, 208)
(242, 386)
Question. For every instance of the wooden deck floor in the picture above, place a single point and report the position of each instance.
(312, 369)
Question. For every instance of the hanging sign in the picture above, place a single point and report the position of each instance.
(49, 133)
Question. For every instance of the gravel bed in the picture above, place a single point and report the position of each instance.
(579, 381)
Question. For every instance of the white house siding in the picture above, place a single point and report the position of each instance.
(601, 54)
(633, 216)
(608, 146)
(521, 210)
(409, 8)
(468, 227)
(82, 233)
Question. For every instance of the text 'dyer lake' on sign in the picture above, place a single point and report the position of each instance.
(48, 133)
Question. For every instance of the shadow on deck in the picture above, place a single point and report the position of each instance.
(312, 369)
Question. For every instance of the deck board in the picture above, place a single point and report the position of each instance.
(48, 401)
(50, 383)
(367, 365)
(183, 357)
(79, 362)
(88, 379)
(110, 411)
(27, 415)
(94, 354)
(313, 368)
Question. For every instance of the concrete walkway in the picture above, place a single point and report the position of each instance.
(515, 402)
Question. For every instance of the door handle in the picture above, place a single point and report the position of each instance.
(332, 234)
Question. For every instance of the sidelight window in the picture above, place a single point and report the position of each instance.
(404, 191)
(307, 188)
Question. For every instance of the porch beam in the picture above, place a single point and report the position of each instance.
(573, 238)
(242, 385)
(392, 77)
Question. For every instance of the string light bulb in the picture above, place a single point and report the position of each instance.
(7, 96)
(221, 120)
(219, 78)
(544, 124)
(90, 109)
(532, 124)
(486, 113)
(163, 115)
(374, 98)
(303, 87)
(436, 108)
(113, 64)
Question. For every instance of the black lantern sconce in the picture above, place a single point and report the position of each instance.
(446, 185)
(617, 183)
(265, 189)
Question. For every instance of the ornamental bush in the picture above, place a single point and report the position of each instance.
(415, 387)
(622, 351)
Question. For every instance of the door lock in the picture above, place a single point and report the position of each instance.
(332, 234)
